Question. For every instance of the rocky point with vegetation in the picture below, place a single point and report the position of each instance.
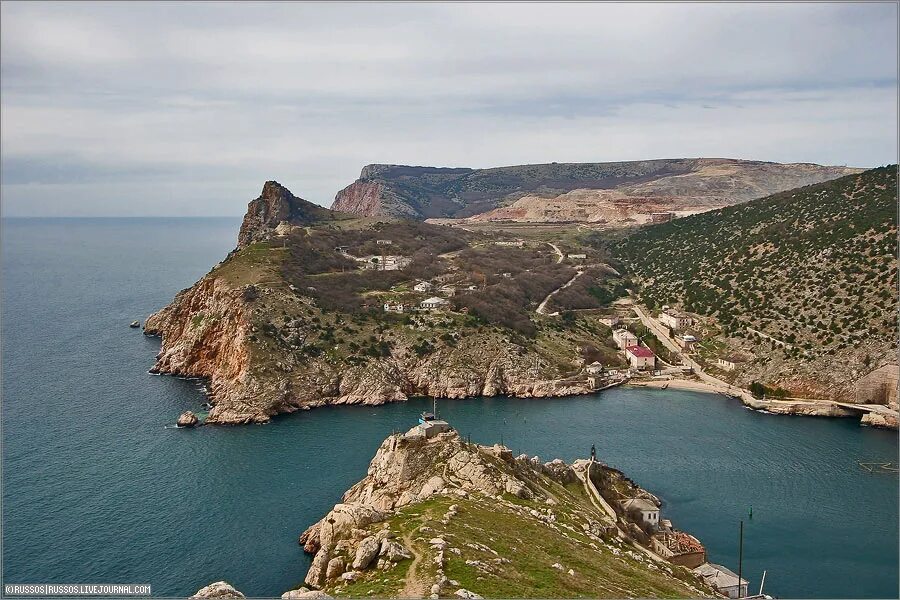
(295, 318)
(443, 517)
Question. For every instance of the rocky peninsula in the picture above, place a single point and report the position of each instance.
(293, 318)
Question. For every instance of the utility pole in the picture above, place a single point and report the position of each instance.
(740, 557)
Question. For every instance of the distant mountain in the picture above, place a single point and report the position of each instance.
(600, 192)
(803, 283)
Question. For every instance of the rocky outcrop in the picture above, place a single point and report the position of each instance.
(219, 590)
(275, 212)
(407, 468)
(882, 421)
(187, 419)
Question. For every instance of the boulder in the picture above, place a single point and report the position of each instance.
(187, 419)
(519, 489)
(366, 552)
(393, 551)
(219, 589)
(335, 567)
(432, 486)
(464, 593)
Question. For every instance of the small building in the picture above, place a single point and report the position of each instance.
(624, 338)
(686, 341)
(428, 429)
(577, 256)
(595, 368)
(675, 319)
(341, 249)
(722, 579)
(640, 357)
(384, 242)
(472, 288)
(641, 509)
(394, 307)
(610, 320)
(423, 286)
(678, 547)
(506, 275)
(516, 243)
(730, 362)
(661, 217)
(434, 303)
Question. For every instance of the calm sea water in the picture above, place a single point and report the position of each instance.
(96, 489)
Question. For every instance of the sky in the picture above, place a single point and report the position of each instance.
(186, 109)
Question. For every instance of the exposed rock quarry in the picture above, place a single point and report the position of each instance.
(615, 192)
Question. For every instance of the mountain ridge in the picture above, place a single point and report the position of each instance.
(422, 193)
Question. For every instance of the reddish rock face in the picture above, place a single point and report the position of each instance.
(360, 197)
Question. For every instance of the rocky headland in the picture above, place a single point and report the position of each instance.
(270, 346)
(439, 516)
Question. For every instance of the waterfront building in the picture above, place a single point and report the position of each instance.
(640, 357)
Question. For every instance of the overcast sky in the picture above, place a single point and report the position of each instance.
(186, 109)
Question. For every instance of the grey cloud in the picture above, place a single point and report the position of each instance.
(218, 97)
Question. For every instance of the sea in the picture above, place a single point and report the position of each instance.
(97, 487)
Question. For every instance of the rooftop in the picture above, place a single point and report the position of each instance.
(639, 351)
(638, 504)
(718, 576)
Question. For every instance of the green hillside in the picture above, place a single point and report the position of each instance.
(814, 267)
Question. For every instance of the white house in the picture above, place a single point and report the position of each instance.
(516, 243)
(423, 286)
(686, 341)
(674, 319)
(722, 579)
(640, 357)
(594, 368)
(643, 508)
(434, 303)
(394, 307)
(624, 338)
(578, 256)
(384, 242)
(610, 320)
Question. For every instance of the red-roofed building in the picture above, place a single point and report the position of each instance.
(640, 357)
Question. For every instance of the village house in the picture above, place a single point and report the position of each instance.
(423, 286)
(731, 361)
(641, 509)
(577, 256)
(624, 338)
(686, 341)
(675, 319)
(610, 320)
(678, 547)
(394, 307)
(594, 368)
(640, 357)
(516, 243)
(722, 579)
(434, 303)
(384, 242)
(661, 217)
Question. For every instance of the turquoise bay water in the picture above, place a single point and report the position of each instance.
(96, 489)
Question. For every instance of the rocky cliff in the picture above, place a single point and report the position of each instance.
(276, 207)
(444, 517)
(584, 192)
